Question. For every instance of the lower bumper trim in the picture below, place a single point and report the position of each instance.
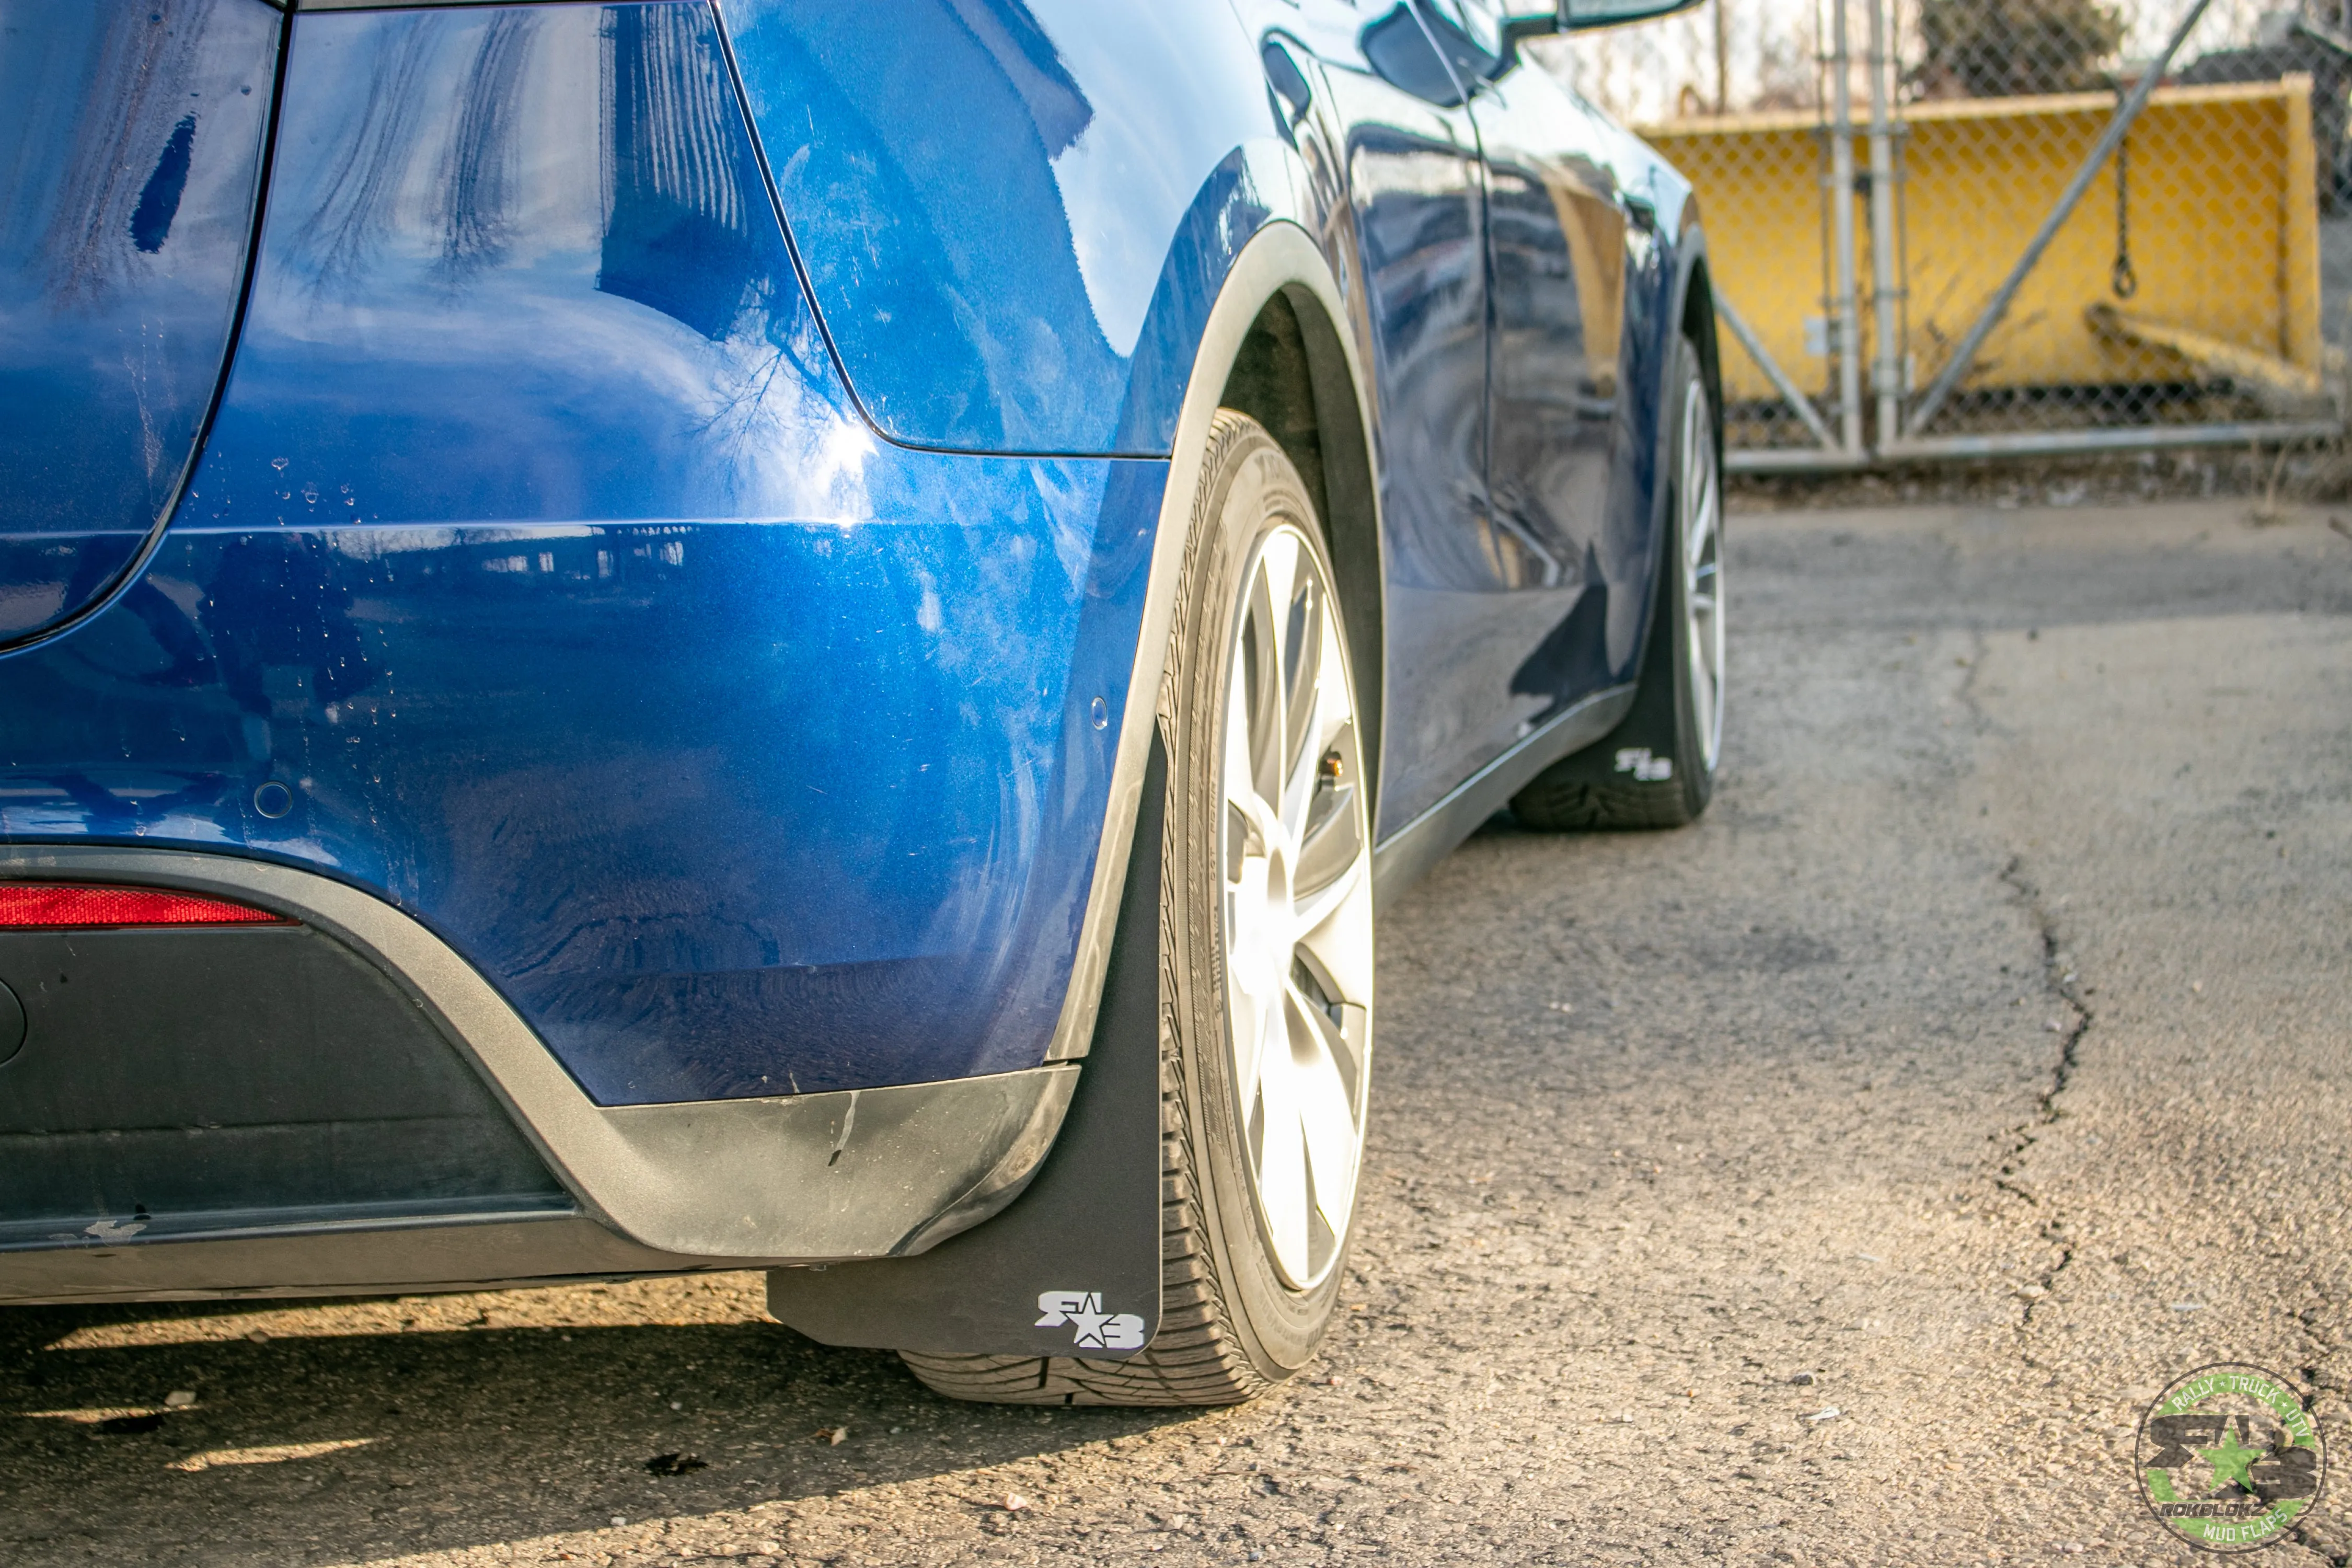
(873, 1173)
(484, 1255)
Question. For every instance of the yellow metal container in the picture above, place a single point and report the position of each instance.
(2223, 227)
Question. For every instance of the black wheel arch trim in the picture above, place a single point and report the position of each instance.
(1692, 271)
(1282, 257)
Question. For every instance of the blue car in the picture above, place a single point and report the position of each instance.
(679, 635)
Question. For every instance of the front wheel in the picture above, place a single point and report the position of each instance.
(1657, 768)
(1265, 931)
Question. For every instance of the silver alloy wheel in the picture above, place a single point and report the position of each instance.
(1295, 849)
(1700, 498)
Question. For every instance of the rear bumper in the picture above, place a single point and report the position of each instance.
(548, 1184)
(733, 792)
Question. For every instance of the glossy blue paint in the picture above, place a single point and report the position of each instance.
(1412, 206)
(131, 135)
(538, 552)
(1574, 536)
(518, 266)
(990, 197)
(714, 670)
(1518, 477)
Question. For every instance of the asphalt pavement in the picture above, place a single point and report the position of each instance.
(1832, 1182)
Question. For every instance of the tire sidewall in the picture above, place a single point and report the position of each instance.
(1248, 490)
(1691, 769)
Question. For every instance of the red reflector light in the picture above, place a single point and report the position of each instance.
(55, 905)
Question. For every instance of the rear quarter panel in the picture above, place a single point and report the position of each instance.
(1014, 217)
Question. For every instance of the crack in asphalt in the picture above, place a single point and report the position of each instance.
(2316, 1380)
(2063, 984)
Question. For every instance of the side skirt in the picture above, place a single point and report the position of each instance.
(1415, 849)
(406, 1257)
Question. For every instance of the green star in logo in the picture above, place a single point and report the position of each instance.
(2231, 1463)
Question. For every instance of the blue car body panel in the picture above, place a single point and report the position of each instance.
(1579, 290)
(130, 160)
(678, 517)
(904, 134)
(538, 551)
(1417, 211)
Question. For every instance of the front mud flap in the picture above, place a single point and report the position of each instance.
(1072, 1266)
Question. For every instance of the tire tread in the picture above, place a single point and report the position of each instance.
(1563, 805)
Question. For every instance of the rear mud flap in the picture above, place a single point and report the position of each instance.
(1072, 1266)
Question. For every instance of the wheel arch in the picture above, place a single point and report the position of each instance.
(1274, 347)
(1695, 314)
(1292, 375)
(1692, 312)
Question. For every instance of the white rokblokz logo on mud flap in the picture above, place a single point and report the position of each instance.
(1649, 769)
(1097, 1330)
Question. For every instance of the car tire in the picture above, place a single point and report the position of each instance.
(1264, 900)
(1657, 768)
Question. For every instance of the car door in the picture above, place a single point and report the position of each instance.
(1575, 570)
(1418, 206)
(1571, 542)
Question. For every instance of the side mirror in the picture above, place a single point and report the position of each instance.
(1578, 15)
(1575, 15)
(1397, 49)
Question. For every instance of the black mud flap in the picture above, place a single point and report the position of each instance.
(1071, 1268)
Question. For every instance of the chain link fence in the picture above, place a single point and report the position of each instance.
(1949, 228)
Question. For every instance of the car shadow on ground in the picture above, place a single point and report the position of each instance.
(447, 1431)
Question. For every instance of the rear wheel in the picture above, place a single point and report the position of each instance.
(1657, 768)
(1265, 962)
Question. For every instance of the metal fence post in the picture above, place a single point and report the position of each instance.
(1886, 286)
(1843, 308)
